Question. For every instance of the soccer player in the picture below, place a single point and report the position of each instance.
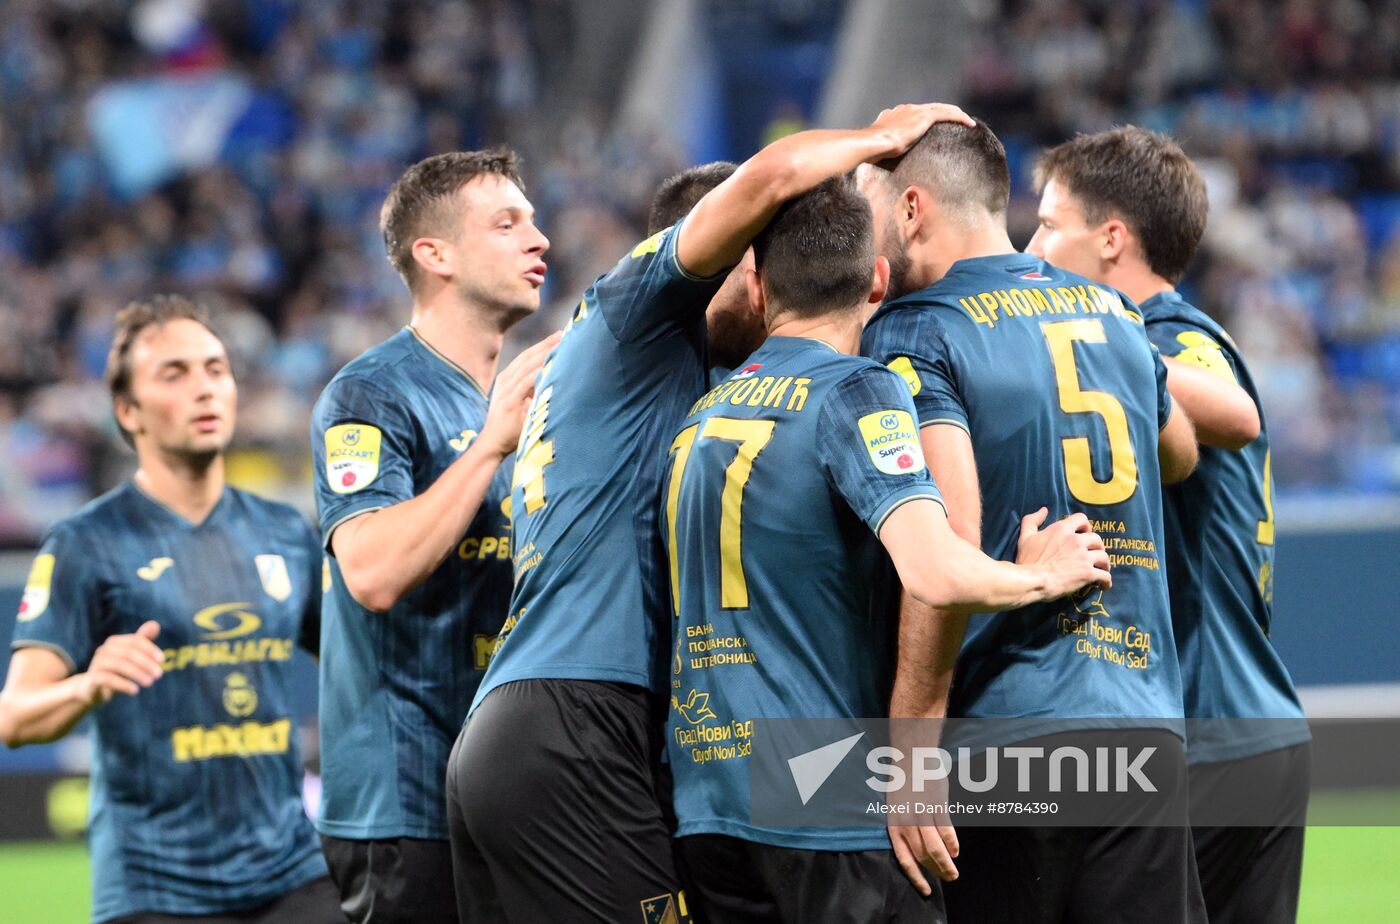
(168, 610)
(1127, 208)
(553, 780)
(414, 508)
(1034, 386)
(784, 482)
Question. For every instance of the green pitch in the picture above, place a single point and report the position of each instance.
(1348, 875)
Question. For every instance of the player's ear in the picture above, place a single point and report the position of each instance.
(434, 255)
(754, 286)
(912, 210)
(879, 281)
(125, 412)
(1113, 239)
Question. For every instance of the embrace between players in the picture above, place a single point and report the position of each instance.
(819, 381)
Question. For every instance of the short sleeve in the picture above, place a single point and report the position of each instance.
(1194, 345)
(868, 443)
(1164, 398)
(912, 345)
(361, 448)
(60, 608)
(648, 295)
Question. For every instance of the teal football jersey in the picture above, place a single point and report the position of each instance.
(779, 482)
(196, 783)
(590, 591)
(395, 686)
(1064, 398)
(1220, 530)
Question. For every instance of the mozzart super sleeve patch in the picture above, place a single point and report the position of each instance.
(892, 441)
(352, 457)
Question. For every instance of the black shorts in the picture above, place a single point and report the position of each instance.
(1126, 873)
(554, 805)
(1251, 873)
(734, 881)
(396, 881)
(313, 903)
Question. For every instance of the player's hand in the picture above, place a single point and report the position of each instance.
(920, 847)
(1069, 551)
(124, 664)
(511, 397)
(900, 127)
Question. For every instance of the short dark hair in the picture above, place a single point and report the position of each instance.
(425, 201)
(677, 195)
(817, 254)
(1142, 177)
(130, 322)
(961, 166)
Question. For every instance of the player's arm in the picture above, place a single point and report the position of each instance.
(943, 571)
(1222, 412)
(929, 642)
(720, 228)
(384, 553)
(43, 699)
(1177, 450)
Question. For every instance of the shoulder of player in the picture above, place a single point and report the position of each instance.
(926, 309)
(1178, 311)
(851, 371)
(374, 378)
(277, 514)
(385, 360)
(96, 517)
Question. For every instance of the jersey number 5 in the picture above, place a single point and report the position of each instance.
(752, 436)
(1079, 465)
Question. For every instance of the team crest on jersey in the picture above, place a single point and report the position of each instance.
(36, 589)
(893, 442)
(461, 443)
(661, 910)
(352, 457)
(272, 572)
(748, 371)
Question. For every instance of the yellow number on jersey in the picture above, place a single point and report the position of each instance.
(534, 453)
(1079, 465)
(752, 436)
(1265, 534)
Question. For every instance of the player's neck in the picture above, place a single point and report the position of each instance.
(950, 243)
(190, 486)
(1136, 281)
(465, 335)
(841, 331)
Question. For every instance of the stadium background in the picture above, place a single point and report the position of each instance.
(238, 150)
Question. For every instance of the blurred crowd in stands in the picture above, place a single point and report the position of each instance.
(238, 150)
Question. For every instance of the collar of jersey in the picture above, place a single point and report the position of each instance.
(450, 364)
(183, 521)
(787, 338)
